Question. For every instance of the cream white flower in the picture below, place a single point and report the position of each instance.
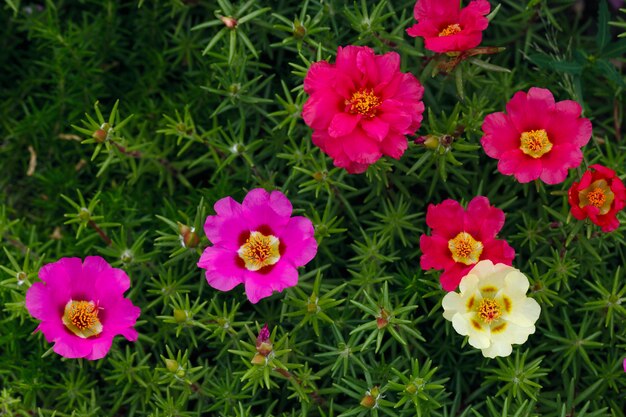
(492, 308)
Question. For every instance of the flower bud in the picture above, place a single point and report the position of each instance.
(188, 236)
(99, 135)
(171, 365)
(84, 214)
(258, 359)
(229, 22)
(180, 316)
(299, 31)
(263, 344)
(428, 141)
(370, 400)
(383, 319)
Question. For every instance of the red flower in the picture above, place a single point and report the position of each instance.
(599, 195)
(460, 238)
(362, 107)
(446, 27)
(536, 138)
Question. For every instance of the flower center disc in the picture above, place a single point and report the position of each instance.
(535, 143)
(259, 251)
(599, 195)
(489, 310)
(452, 29)
(364, 102)
(465, 248)
(81, 318)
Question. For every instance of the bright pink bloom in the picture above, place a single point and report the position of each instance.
(599, 195)
(362, 107)
(446, 27)
(536, 138)
(256, 243)
(624, 365)
(460, 238)
(82, 307)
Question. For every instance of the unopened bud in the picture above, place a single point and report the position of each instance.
(84, 214)
(188, 236)
(171, 365)
(411, 389)
(428, 141)
(311, 306)
(21, 277)
(99, 135)
(180, 316)
(229, 22)
(263, 344)
(258, 359)
(370, 400)
(127, 256)
(320, 176)
(299, 31)
(383, 319)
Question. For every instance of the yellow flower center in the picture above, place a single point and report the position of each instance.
(364, 102)
(489, 310)
(599, 195)
(535, 143)
(452, 29)
(259, 251)
(81, 318)
(465, 248)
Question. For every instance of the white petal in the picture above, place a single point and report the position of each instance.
(524, 311)
(483, 268)
(512, 334)
(452, 303)
(497, 349)
(516, 283)
(469, 282)
(461, 324)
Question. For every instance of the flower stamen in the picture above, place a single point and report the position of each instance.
(364, 102)
(81, 318)
(465, 248)
(599, 195)
(259, 251)
(489, 310)
(535, 143)
(452, 29)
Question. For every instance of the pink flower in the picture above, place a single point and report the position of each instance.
(599, 195)
(446, 27)
(536, 138)
(461, 238)
(256, 243)
(362, 107)
(624, 365)
(82, 307)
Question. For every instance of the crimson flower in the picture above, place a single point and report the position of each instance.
(361, 107)
(446, 27)
(461, 238)
(536, 137)
(599, 195)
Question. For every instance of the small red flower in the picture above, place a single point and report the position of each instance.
(446, 27)
(536, 137)
(460, 238)
(361, 107)
(599, 195)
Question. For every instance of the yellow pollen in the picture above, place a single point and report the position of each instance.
(364, 102)
(596, 197)
(259, 251)
(535, 143)
(598, 194)
(465, 249)
(450, 30)
(489, 310)
(81, 318)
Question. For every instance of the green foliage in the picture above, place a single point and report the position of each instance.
(122, 123)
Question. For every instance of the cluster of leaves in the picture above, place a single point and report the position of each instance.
(215, 107)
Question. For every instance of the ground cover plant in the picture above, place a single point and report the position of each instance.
(312, 208)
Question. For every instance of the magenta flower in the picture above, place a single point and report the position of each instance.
(446, 27)
(461, 238)
(82, 307)
(361, 107)
(536, 137)
(256, 243)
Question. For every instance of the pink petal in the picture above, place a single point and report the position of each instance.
(226, 227)
(319, 77)
(446, 219)
(223, 273)
(558, 161)
(319, 109)
(482, 220)
(435, 253)
(360, 148)
(430, 9)
(343, 124)
(498, 251)
(259, 285)
(299, 241)
(99, 348)
(394, 145)
(262, 209)
(452, 276)
(500, 135)
(375, 128)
